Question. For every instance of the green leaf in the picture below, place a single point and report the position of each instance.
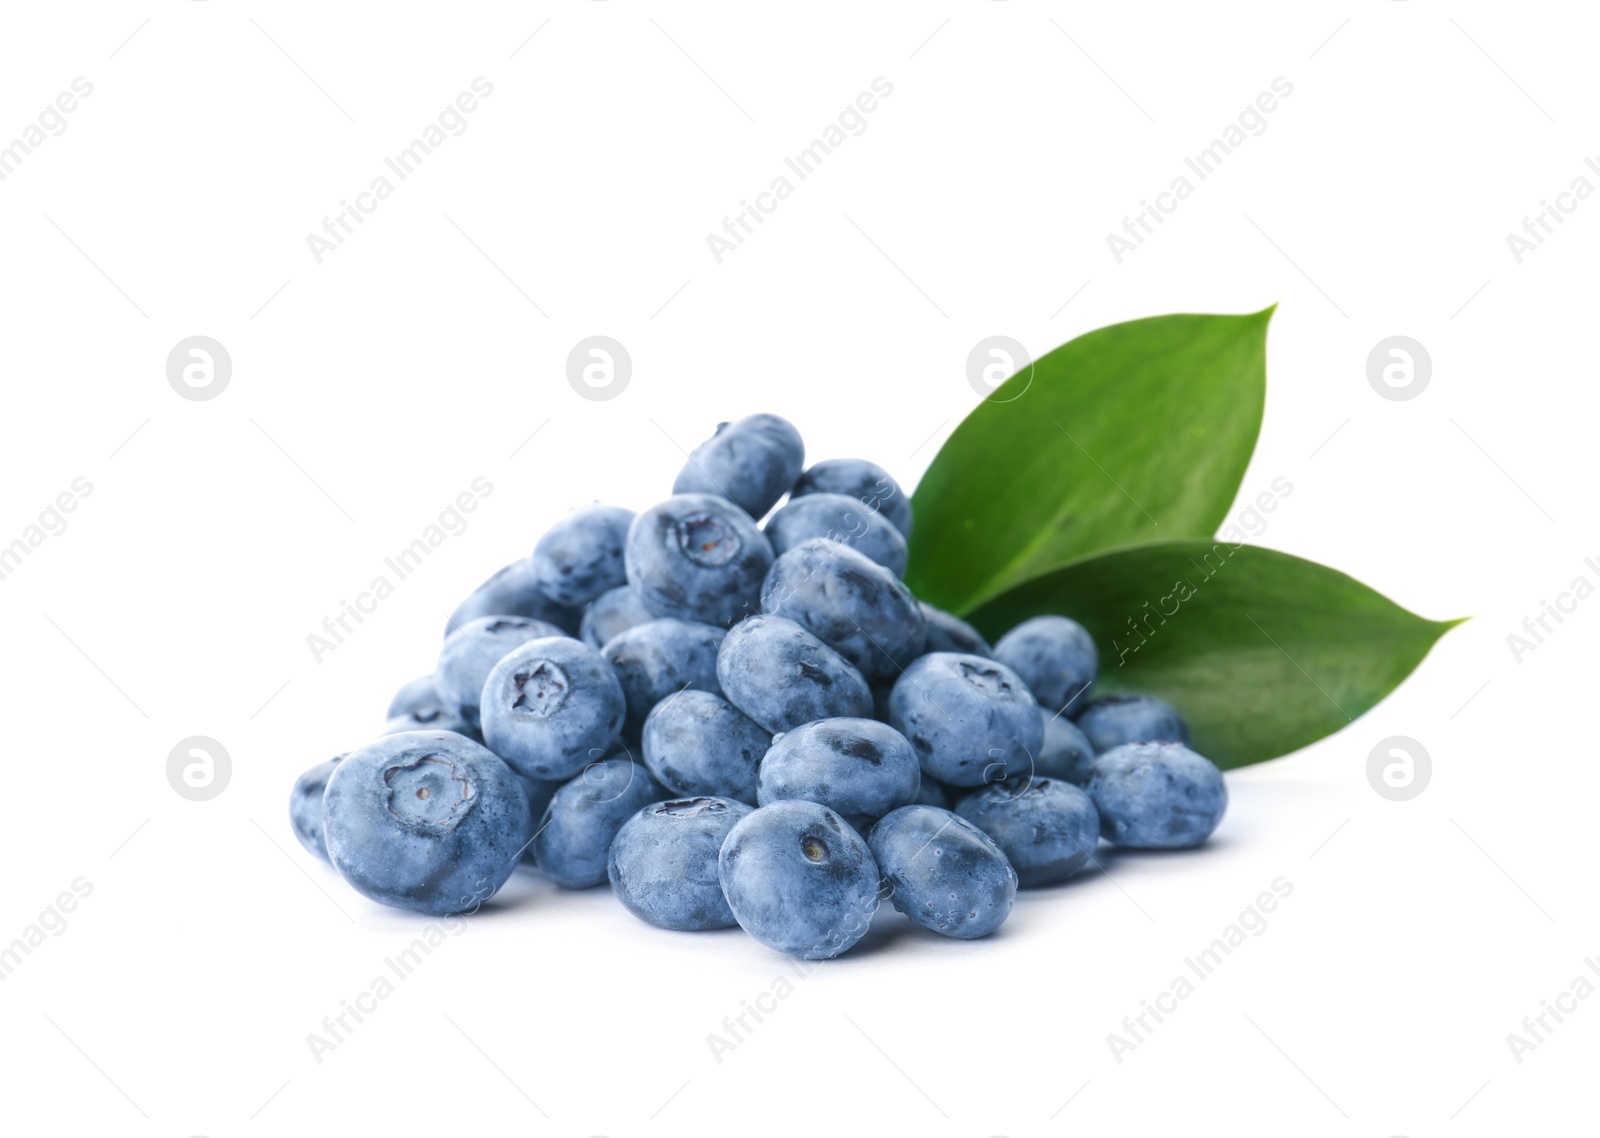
(1133, 433)
(1261, 652)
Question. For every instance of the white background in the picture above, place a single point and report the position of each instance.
(369, 390)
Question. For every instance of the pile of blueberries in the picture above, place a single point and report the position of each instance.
(751, 725)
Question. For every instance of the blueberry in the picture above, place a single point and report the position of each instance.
(539, 792)
(948, 633)
(1157, 796)
(858, 767)
(944, 872)
(781, 676)
(613, 611)
(580, 556)
(752, 462)
(698, 557)
(432, 719)
(856, 607)
(698, 743)
(840, 519)
(551, 707)
(656, 659)
(305, 806)
(416, 694)
(575, 832)
(663, 863)
(1048, 828)
(1066, 753)
(1113, 720)
(866, 482)
(513, 591)
(1055, 657)
(970, 719)
(799, 879)
(427, 821)
(931, 793)
(473, 649)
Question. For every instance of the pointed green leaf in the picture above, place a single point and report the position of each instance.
(1133, 433)
(1262, 652)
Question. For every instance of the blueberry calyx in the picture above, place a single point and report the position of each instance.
(706, 541)
(428, 793)
(985, 678)
(541, 689)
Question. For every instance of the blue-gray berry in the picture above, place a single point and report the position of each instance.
(428, 821)
(866, 482)
(414, 695)
(1066, 753)
(752, 462)
(930, 792)
(857, 767)
(853, 605)
(948, 633)
(699, 744)
(580, 556)
(663, 862)
(539, 792)
(781, 676)
(659, 658)
(476, 647)
(433, 719)
(305, 806)
(551, 707)
(1157, 796)
(1113, 720)
(841, 519)
(943, 872)
(1055, 657)
(971, 720)
(799, 879)
(513, 591)
(698, 557)
(612, 612)
(574, 835)
(1048, 828)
